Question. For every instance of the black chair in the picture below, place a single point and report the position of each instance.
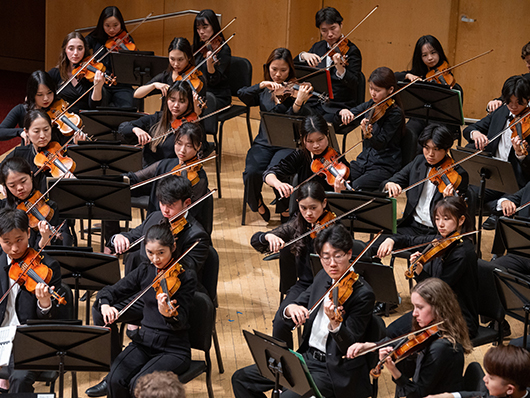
(142, 203)
(473, 378)
(376, 331)
(202, 320)
(203, 213)
(209, 278)
(409, 146)
(240, 75)
(489, 306)
(210, 128)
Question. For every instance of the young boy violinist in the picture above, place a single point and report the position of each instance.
(21, 304)
(325, 338)
(345, 76)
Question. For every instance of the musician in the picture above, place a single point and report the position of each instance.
(73, 52)
(181, 103)
(110, 25)
(316, 144)
(456, 265)
(345, 79)
(162, 343)
(325, 340)
(181, 62)
(507, 368)
(440, 363)
(428, 56)
(188, 148)
(436, 141)
(205, 26)
(16, 178)
(515, 95)
(525, 55)
(278, 69)
(381, 154)
(20, 304)
(40, 94)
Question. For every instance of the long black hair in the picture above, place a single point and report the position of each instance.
(32, 87)
(205, 16)
(18, 165)
(99, 33)
(314, 123)
(418, 66)
(181, 44)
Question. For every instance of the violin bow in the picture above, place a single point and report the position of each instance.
(31, 262)
(54, 155)
(519, 120)
(214, 36)
(200, 119)
(350, 268)
(522, 207)
(183, 211)
(399, 339)
(80, 69)
(436, 241)
(271, 255)
(184, 167)
(127, 34)
(157, 278)
(349, 33)
(208, 57)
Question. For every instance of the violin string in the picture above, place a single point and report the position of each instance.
(214, 36)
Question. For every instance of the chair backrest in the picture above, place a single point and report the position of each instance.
(210, 273)
(409, 143)
(201, 320)
(375, 331)
(473, 377)
(240, 74)
(203, 213)
(489, 303)
(66, 311)
(210, 124)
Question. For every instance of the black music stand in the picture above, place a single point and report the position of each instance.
(87, 271)
(378, 215)
(103, 124)
(320, 79)
(281, 365)
(93, 199)
(93, 159)
(432, 102)
(62, 347)
(137, 68)
(514, 292)
(515, 235)
(481, 169)
(283, 130)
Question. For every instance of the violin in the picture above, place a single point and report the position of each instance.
(376, 113)
(194, 77)
(29, 271)
(177, 225)
(88, 69)
(192, 117)
(68, 123)
(291, 89)
(342, 49)
(409, 346)
(327, 165)
(521, 128)
(169, 283)
(342, 292)
(323, 222)
(37, 210)
(193, 171)
(446, 78)
(212, 45)
(121, 41)
(450, 176)
(433, 250)
(50, 157)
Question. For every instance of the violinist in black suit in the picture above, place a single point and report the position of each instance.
(515, 95)
(325, 339)
(21, 304)
(345, 78)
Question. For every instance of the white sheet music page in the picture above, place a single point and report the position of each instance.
(7, 334)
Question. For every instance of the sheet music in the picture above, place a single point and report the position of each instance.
(7, 334)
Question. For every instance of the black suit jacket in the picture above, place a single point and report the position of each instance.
(414, 172)
(350, 378)
(26, 302)
(345, 89)
(492, 125)
(521, 197)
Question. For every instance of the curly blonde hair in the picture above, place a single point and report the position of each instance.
(442, 300)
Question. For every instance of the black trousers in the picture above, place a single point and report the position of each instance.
(280, 328)
(154, 351)
(367, 178)
(248, 382)
(514, 262)
(260, 158)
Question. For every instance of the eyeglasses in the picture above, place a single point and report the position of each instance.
(336, 257)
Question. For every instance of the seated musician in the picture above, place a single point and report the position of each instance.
(436, 142)
(525, 55)
(381, 154)
(440, 363)
(346, 75)
(162, 343)
(509, 146)
(507, 369)
(455, 264)
(325, 339)
(21, 304)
